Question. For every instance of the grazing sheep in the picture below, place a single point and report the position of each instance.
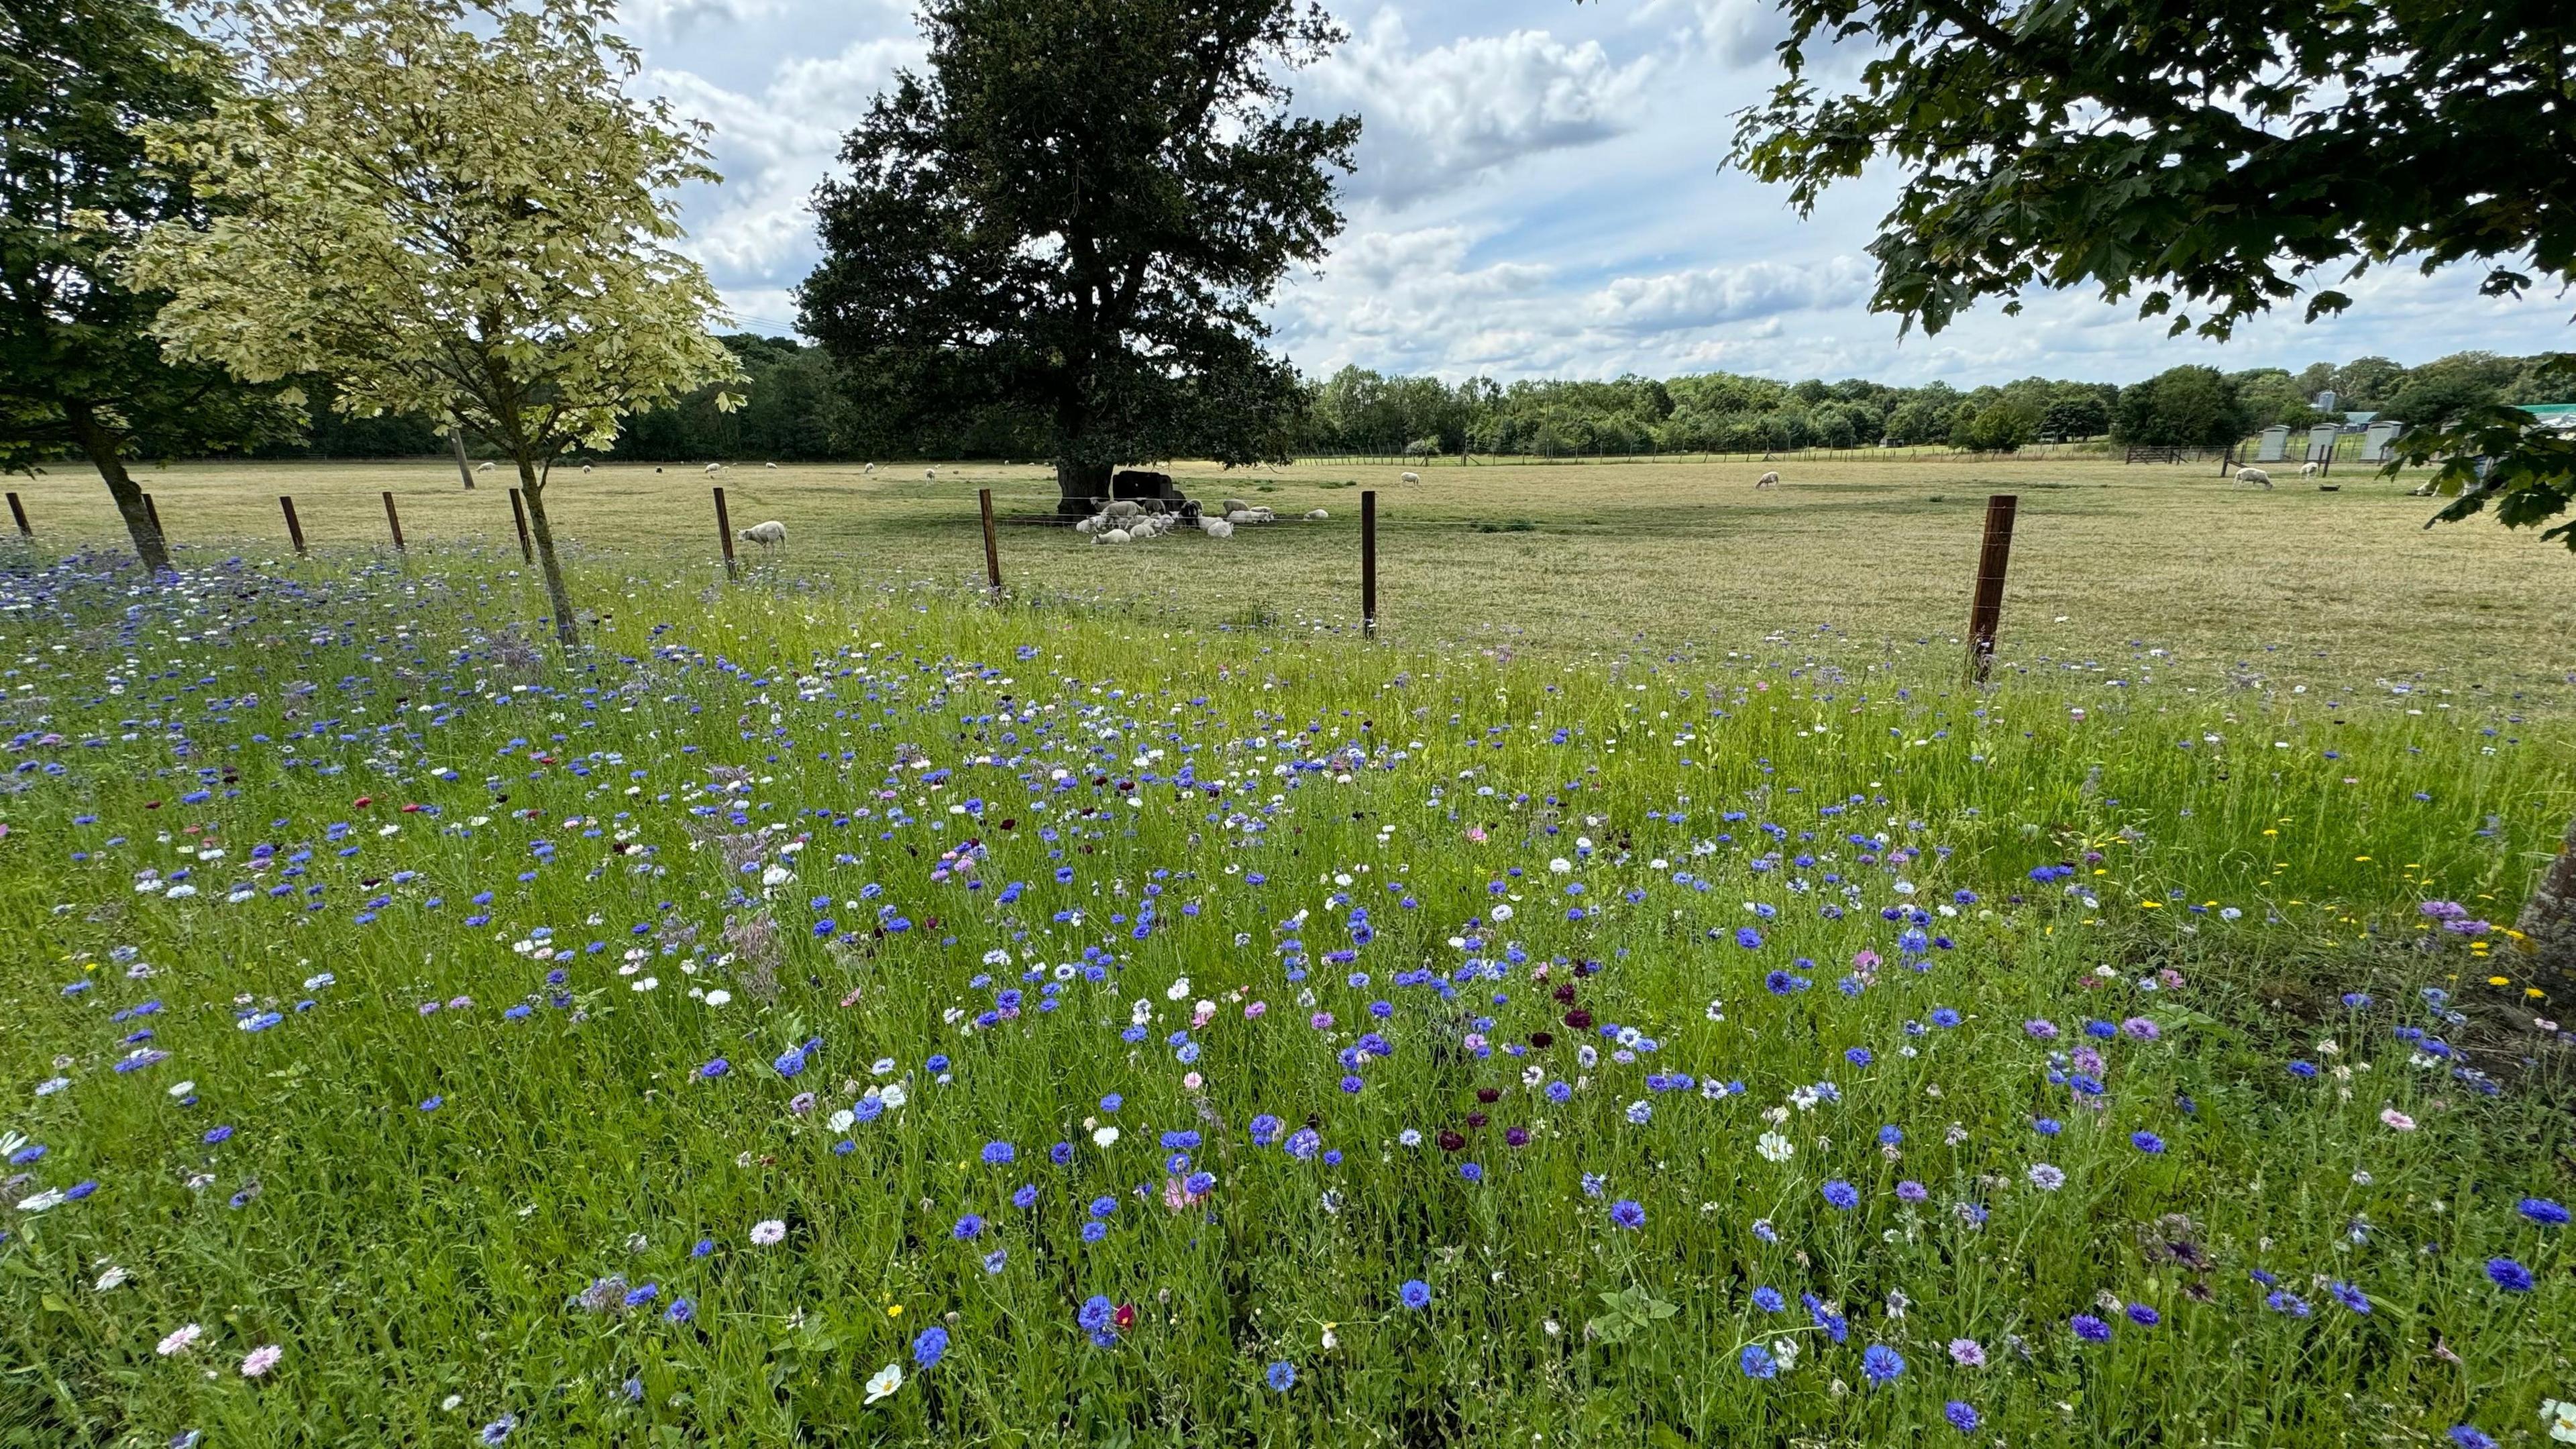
(767, 535)
(929, 475)
(1216, 528)
(2309, 470)
(1110, 535)
(483, 468)
(1409, 478)
(2253, 478)
(868, 471)
(772, 467)
(714, 468)
(585, 467)
(1317, 516)
(1768, 480)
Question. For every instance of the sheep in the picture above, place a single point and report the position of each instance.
(483, 468)
(1124, 508)
(1241, 516)
(1087, 527)
(1111, 535)
(1768, 480)
(1409, 478)
(1317, 516)
(714, 468)
(772, 467)
(767, 535)
(585, 467)
(2309, 470)
(1232, 506)
(1216, 528)
(2253, 478)
(929, 475)
(869, 471)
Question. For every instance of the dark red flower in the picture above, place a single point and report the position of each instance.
(1489, 1094)
(1542, 1039)
(1477, 1119)
(1579, 1019)
(1517, 1136)
(1450, 1141)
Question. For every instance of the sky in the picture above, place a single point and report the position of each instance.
(1538, 194)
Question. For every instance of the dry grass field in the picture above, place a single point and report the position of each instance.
(2110, 561)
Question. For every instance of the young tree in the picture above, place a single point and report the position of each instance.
(1080, 210)
(79, 370)
(453, 210)
(2224, 155)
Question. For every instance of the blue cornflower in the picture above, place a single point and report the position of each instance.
(998, 1153)
(1881, 1365)
(1842, 1195)
(2509, 1275)
(2147, 1142)
(1103, 1206)
(1415, 1294)
(1281, 1376)
(681, 1310)
(1769, 1300)
(2143, 1316)
(1627, 1214)
(930, 1346)
(2468, 1438)
(2350, 1297)
(2089, 1328)
(1026, 1196)
(2542, 1211)
(1962, 1416)
(969, 1228)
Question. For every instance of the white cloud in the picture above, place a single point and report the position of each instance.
(1440, 118)
(1706, 296)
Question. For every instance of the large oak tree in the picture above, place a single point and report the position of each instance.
(2214, 158)
(1077, 214)
(80, 373)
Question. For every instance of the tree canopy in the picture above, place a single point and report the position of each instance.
(79, 371)
(451, 209)
(2213, 158)
(1076, 214)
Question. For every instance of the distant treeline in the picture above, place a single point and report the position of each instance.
(801, 406)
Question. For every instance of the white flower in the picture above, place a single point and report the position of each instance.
(1775, 1148)
(182, 1089)
(894, 1095)
(768, 1231)
(45, 1201)
(842, 1120)
(647, 984)
(2560, 1416)
(1104, 1137)
(51, 1085)
(114, 1277)
(1559, 866)
(1178, 990)
(883, 1383)
(2396, 1119)
(719, 997)
(1501, 914)
(882, 1066)
(776, 875)
(178, 1339)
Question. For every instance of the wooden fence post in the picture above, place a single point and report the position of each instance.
(992, 552)
(393, 521)
(1368, 563)
(724, 535)
(519, 511)
(18, 511)
(294, 530)
(1992, 560)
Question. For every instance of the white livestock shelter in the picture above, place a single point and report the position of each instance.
(2321, 442)
(2275, 445)
(2374, 443)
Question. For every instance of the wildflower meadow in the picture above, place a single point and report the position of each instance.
(807, 1014)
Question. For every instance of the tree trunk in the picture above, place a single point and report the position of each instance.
(2549, 925)
(105, 450)
(464, 465)
(1077, 484)
(532, 488)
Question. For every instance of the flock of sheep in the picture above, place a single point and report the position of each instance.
(1127, 520)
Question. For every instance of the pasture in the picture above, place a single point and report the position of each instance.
(1644, 998)
(2110, 561)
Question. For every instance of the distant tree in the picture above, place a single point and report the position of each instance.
(2366, 383)
(1080, 210)
(451, 208)
(2222, 155)
(2182, 407)
(2434, 396)
(2075, 412)
(80, 372)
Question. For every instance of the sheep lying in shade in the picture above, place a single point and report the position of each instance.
(1110, 535)
(1216, 528)
(767, 535)
(1242, 516)
(1232, 506)
(2253, 478)
(1767, 480)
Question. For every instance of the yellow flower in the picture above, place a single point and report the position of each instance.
(894, 1310)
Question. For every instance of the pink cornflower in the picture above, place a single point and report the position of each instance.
(260, 1360)
(2396, 1119)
